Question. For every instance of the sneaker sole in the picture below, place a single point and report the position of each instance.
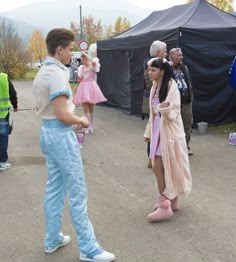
(3, 169)
(160, 219)
(55, 249)
(94, 260)
(86, 259)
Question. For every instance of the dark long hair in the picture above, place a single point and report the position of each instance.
(158, 63)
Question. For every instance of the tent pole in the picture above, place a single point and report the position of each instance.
(179, 36)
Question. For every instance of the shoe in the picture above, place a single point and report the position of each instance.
(4, 166)
(149, 163)
(89, 131)
(175, 204)
(163, 211)
(158, 202)
(102, 257)
(66, 240)
(190, 152)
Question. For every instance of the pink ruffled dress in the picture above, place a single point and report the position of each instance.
(88, 90)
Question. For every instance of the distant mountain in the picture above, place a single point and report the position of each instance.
(24, 30)
(60, 13)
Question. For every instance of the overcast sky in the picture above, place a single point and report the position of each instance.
(6, 5)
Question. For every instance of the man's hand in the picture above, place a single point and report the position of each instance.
(84, 121)
(15, 109)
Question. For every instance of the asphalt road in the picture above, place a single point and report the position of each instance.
(122, 191)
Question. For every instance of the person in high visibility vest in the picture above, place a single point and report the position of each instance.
(8, 97)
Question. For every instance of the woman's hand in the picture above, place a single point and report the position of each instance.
(146, 139)
(164, 104)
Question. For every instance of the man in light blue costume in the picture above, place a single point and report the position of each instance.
(62, 152)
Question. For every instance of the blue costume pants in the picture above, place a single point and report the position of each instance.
(65, 176)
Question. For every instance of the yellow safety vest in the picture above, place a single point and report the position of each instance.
(5, 103)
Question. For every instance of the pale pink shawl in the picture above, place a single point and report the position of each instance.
(174, 150)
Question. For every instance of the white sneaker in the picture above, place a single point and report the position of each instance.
(64, 242)
(89, 131)
(103, 257)
(4, 166)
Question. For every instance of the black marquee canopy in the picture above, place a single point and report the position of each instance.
(207, 37)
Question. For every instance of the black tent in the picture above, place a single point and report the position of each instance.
(208, 41)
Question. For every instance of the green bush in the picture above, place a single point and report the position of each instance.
(30, 74)
(20, 71)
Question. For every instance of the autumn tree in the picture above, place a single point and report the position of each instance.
(121, 25)
(108, 31)
(14, 55)
(225, 5)
(37, 46)
(95, 31)
(74, 27)
(92, 29)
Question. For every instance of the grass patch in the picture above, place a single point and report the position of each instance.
(30, 75)
(223, 129)
(73, 86)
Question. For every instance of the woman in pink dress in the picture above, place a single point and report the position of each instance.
(168, 149)
(88, 92)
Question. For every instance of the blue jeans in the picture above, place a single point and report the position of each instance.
(4, 134)
(65, 175)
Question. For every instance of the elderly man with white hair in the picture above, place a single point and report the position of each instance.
(158, 49)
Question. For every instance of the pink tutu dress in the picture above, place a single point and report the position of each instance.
(88, 90)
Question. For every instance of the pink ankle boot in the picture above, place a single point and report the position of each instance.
(163, 211)
(175, 204)
(157, 203)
